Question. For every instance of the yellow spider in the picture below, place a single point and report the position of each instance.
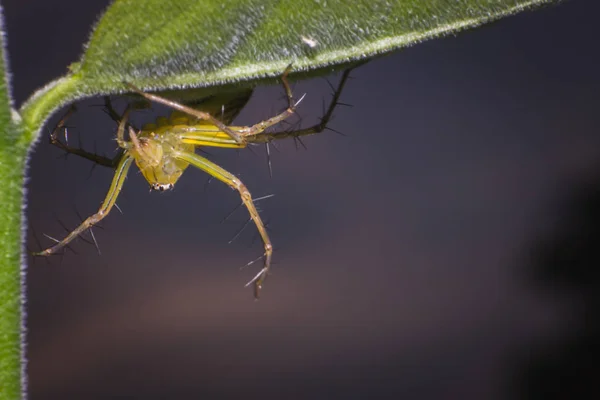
(162, 151)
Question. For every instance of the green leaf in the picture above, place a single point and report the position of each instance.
(12, 163)
(161, 44)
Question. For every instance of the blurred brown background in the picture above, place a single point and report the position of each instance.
(446, 248)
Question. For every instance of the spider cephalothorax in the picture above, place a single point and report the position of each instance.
(155, 156)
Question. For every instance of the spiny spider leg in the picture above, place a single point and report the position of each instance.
(191, 111)
(113, 192)
(206, 136)
(235, 183)
(238, 134)
(265, 137)
(261, 126)
(98, 159)
(107, 204)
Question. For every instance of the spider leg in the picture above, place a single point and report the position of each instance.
(114, 115)
(265, 137)
(107, 204)
(238, 135)
(191, 111)
(213, 136)
(235, 183)
(291, 109)
(110, 110)
(97, 159)
(64, 146)
(209, 135)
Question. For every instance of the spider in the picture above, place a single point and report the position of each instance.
(163, 150)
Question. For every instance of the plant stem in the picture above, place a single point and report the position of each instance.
(12, 163)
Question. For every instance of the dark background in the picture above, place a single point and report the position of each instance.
(446, 248)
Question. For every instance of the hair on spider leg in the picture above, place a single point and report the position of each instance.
(116, 117)
(231, 212)
(268, 150)
(110, 114)
(297, 122)
(60, 255)
(37, 242)
(54, 136)
(275, 248)
(80, 237)
(249, 264)
(58, 241)
(81, 219)
(249, 148)
(257, 236)
(352, 77)
(79, 151)
(91, 231)
(92, 168)
(326, 79)
(239, 232)
(259, 210)
(62, 122)
(298, 139)
(261, 198)
(48, 260)
(108, 108)
(35, 236)
(275, 146)
(268, 196)
(247, 222)
(314, 129)
(296, 125)
(66, 228)
(64, 156)
(260, 277)
(55, 141)
(297, 117)
(94, 164)
(335, 101)
(208, 181)
(51, 238)
(79, 140)
(336, 131)
(61, 223)
(300, 100)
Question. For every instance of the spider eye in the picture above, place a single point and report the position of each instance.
(161, 187)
